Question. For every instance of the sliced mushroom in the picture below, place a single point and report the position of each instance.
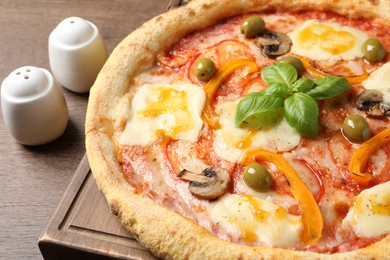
(274, 43)
(371, 101)
(209, 184)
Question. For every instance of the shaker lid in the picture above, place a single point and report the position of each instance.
(25, 82)
(73, 31)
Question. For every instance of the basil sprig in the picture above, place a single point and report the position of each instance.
(286, 93)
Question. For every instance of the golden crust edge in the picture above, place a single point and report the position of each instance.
(137, 212)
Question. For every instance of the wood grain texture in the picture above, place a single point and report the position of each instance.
(33, 179)
(82, 225)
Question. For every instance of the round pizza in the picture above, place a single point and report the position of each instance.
(249, 129)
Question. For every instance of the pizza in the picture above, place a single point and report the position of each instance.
(249, 129)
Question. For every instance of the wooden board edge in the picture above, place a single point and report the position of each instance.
(57, 238)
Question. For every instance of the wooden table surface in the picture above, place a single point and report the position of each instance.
(33, 179)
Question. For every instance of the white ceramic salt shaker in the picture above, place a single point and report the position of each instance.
(76, 53)
(33, 105)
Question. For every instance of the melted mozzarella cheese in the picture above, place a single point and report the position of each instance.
(370, 214)
(164, 109)
(380, 80)
(231, 142)
(326, 40)
(252, 219)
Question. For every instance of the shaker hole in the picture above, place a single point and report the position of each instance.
(26, 77)
(72, 21)
(18, 73)
(27, 70)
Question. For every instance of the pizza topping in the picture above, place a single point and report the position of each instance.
(255, 220)
(318, 73)
(376, 103)
(231, 142)
(362, 154)
(274, 43)
(209, 184)
(257, 177)
(258, 110)
(295, 97)
(204, 69)
(208, 114)
(356, 129)
(370, 214)
(373, 50)
(311, 214)
(254, 110)
(371, 101)
(171, 110)
(295, 62)
(252, 26)
(318, 40)
(271, 43)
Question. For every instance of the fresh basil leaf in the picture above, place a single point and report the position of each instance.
(280, 72)
(258, 110)
(303, 85)
(278, 89)
(329, 87)
(301, 112)
(255, 93)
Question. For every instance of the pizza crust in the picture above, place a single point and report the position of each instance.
(165, 233)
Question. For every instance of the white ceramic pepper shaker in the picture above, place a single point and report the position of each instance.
(76, 53)
(33, 105)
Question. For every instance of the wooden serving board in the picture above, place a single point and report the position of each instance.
(82, 226)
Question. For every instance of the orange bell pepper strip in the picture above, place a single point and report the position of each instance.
(362, 154)
(311, 215)
(316, 73)
(208, 114)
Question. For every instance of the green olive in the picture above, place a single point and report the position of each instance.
(204, 69)
(257, 177)
(293, 61)
(373, 50)
(252, 26)
(356, 128)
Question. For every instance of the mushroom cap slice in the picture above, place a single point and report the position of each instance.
(274, 43)
(371, 101)
(209, 184)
